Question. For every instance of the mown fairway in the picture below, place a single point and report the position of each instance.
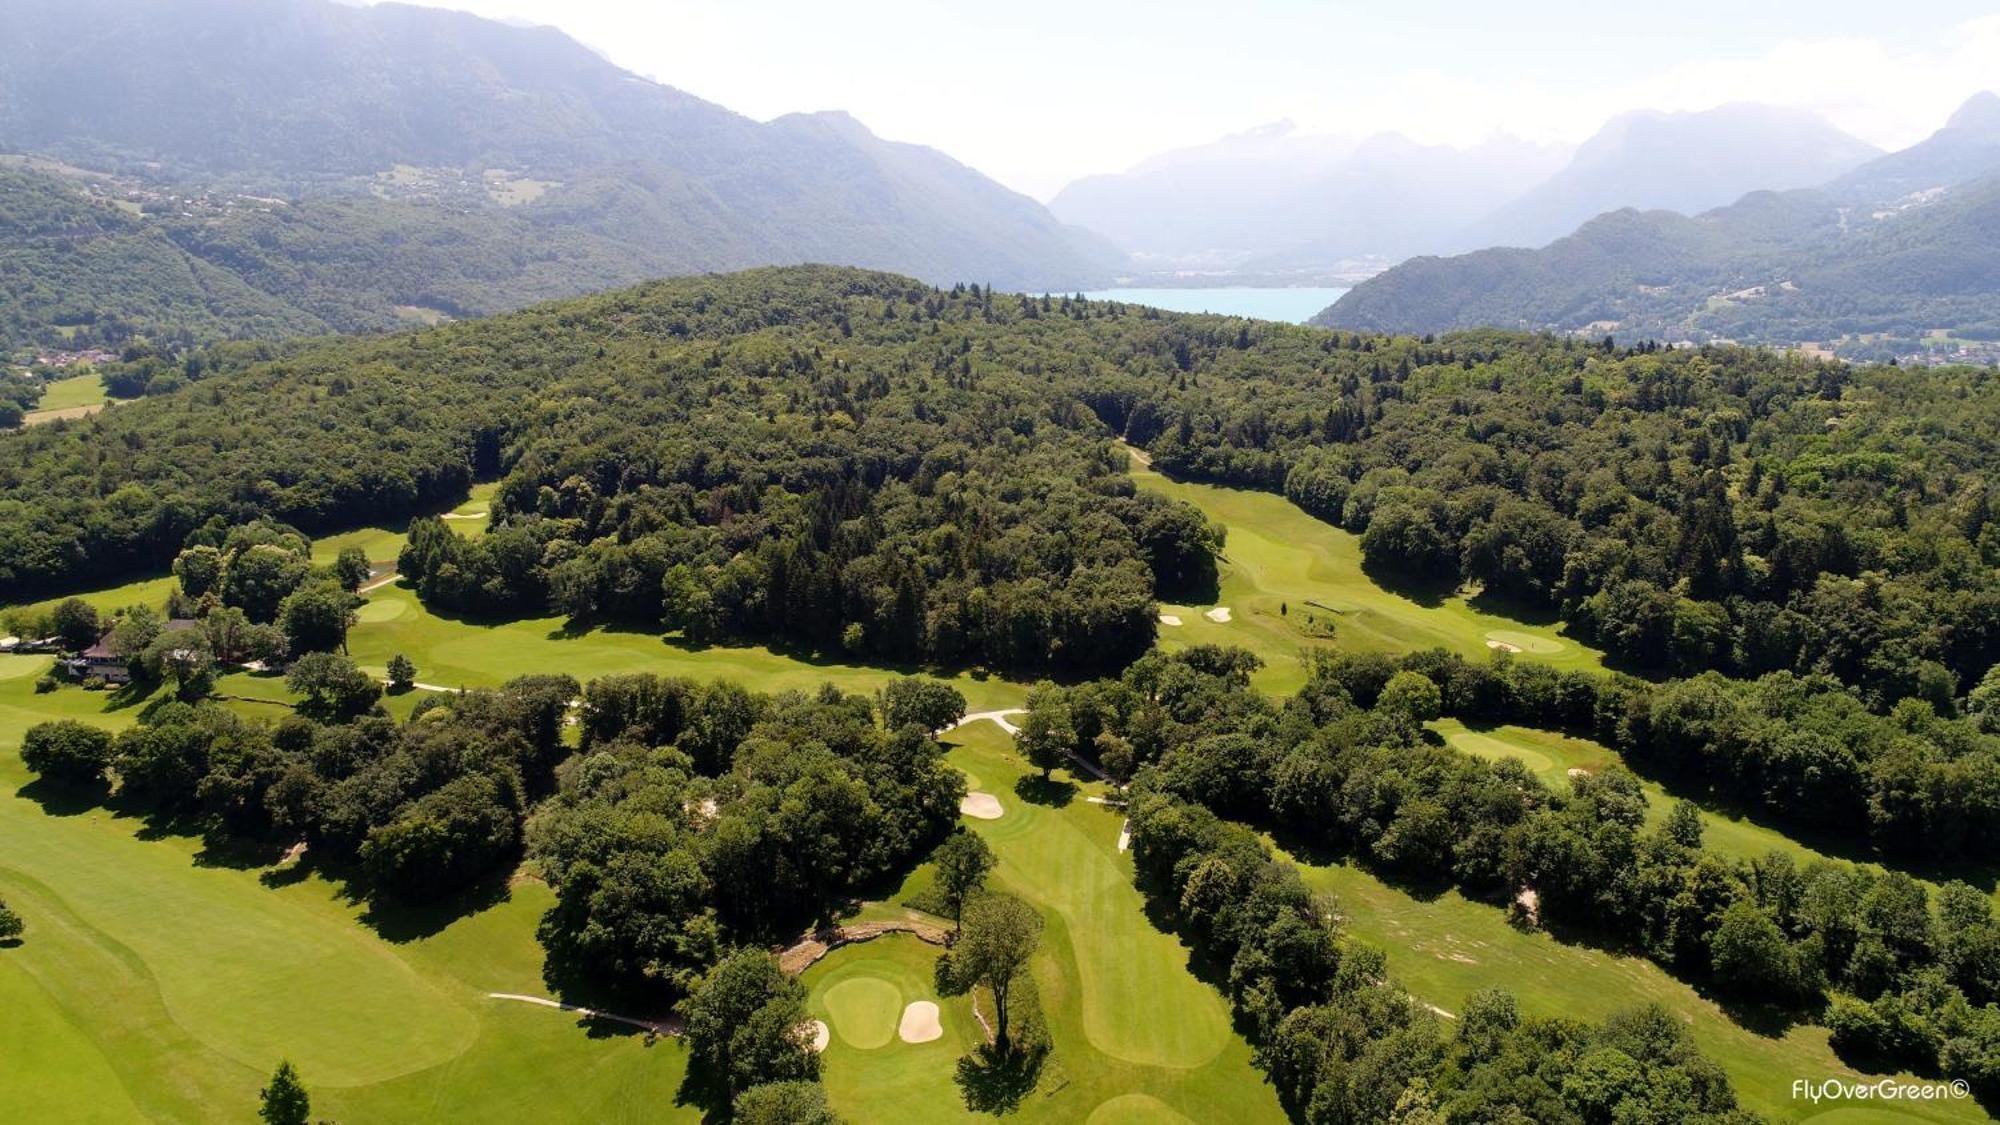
(158, 982)
(1443, 947)
(1283, 571)
(1137, 1036)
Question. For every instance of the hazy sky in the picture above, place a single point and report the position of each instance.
(1038, 93)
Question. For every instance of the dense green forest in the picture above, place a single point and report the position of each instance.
(856, 461)
(1901, 977)
(1687, 510)
(77, 271)
(846, 460)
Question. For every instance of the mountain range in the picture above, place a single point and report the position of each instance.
(1890, 259)
(336, 158)
(1278, 199)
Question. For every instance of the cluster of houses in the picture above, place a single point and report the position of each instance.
(61, 359)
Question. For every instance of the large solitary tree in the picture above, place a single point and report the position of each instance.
(997, 936)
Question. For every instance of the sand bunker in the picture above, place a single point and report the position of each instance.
(1512, 640)
(980, 806)
(1125, 836)
(920, 1023)
(1169, 619)
(822, 1035)
(1578, 771)
(1219, 615)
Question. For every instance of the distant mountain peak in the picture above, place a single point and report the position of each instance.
(1979, 114)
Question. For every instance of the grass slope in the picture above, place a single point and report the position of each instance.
(1283, 568)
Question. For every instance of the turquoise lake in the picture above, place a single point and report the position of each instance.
(1296, 305)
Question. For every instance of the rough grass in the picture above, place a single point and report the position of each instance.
(1287, 577)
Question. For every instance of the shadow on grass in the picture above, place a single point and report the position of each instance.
(398, 922)
(65, 798)
(1428, 592)
(1834, 843)
(1515, 609)
(1052, 792)
(995, 1081)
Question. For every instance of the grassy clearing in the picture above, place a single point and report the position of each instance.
(1133, 1027)
(1287, 576)
(1444, 947)
(78, 396)
(77, 390)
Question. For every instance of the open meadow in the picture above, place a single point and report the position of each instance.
(74, 397)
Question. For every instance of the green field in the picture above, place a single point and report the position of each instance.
(157, 983)
(1136, 1035)
(1287, 575)
(77, 390)
(74, 397)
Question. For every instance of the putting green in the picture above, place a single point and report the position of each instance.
(1526, 642)
(1136, 1109)
(864, 1011)
(381, 609)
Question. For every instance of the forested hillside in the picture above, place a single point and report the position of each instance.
(1687, 509)
(73, 268)
(1888, 261)
(847, 460)
(859, 461)
(357, 163)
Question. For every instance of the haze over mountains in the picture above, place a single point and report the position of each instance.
(1683, 162)
(1280, 199)
(1894, 258)
(377, 140)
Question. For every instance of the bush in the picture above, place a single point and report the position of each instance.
(46, 684)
